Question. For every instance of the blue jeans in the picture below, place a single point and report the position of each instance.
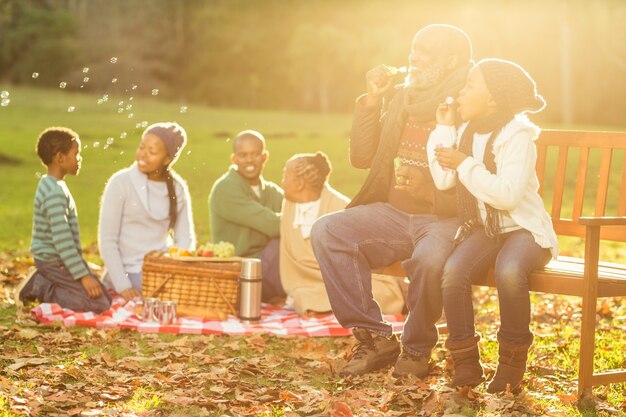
(351, 243)
(53, 283)
(516, 255)
(271, 287)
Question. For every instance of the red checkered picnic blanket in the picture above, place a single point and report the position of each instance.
(274, 320)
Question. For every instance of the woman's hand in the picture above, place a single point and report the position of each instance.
(130, 293)
(449, 158)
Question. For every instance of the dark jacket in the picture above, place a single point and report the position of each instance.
(374, 142)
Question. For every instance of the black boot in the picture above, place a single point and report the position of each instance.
(511, 365)
(467, 368)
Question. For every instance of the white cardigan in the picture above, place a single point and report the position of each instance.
(129, 227)
(514, 186)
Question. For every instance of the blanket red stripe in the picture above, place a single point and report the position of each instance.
(274, 320)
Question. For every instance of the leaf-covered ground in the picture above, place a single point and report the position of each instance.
(58, 371)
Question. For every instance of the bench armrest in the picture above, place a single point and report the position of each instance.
(602, 221)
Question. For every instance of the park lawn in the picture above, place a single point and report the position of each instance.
(113, 372)
(206, 157)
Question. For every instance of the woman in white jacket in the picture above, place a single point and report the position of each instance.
(491, 160)
(143, 207)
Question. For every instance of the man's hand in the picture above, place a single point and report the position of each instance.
(92, 286)
(449, 157)
(413, 179)
(378, 82)
(130, 293)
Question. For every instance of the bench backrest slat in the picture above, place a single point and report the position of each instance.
(581, 178)
(596, 179)
(559, 183)
(621, 206)
(603, 182)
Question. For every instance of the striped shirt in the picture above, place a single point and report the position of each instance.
(55, 227)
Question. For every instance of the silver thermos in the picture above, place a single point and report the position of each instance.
(250, 281)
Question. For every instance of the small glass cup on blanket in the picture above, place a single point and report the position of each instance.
(149, 310)
(167, 312)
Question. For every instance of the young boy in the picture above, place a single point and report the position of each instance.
(62, 275)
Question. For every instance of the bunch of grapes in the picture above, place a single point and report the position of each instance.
(220, 249)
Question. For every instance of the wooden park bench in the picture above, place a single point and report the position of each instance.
(590, 174)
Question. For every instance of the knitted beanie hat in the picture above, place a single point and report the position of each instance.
(511, 87)
(172, 135)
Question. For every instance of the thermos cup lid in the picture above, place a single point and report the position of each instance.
(251, 267)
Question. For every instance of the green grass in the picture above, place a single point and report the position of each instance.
(206, 157)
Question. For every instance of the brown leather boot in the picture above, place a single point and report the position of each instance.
(511, 365)
(371, 352)
(467, 368)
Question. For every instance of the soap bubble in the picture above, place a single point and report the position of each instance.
(122, 153)
(86, 70)
(62, 84)
(96, 144)
(4, 94)
(188, 152)
(5, 102)
(183, 109)
(38, 175)
(113, 60)
(131, 98)
(86, 79)
(71, 109)
(120, 110)
(144, 124)
(122, 135)
(134, 87)
(130, 115)
(120, 103)
(100, 101)
(114, 80)
(35, 75)
(105, 147)
(138, 125)
(155, 91)
(110, 140)
(105, 97)
(129, 107)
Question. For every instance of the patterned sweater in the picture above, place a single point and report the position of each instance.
(55, 227)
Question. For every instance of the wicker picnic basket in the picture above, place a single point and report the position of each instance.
(208, 285)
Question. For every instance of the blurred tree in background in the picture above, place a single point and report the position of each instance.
(309, 55)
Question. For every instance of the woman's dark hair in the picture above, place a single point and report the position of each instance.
(54, 140)
(314, 169)
(171, 193)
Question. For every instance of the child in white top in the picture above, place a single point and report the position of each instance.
(142, 207)
(491, 160)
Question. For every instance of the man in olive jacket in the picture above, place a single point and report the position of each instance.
(245, 210)
(398, 215)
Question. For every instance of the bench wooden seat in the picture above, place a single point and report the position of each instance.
(586, 170)
(563, 276)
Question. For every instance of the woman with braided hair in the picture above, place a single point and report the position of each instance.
(145, 207)
(503, 219)
(307, 197)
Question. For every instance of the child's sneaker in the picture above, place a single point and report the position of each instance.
(23, 291)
